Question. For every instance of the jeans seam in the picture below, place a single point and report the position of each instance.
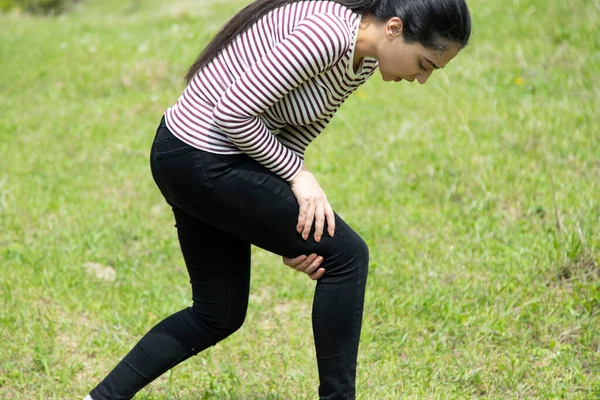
(229, 299)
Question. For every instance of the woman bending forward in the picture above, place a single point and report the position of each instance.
(229, 159)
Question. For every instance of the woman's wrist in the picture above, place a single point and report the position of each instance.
(302, 171)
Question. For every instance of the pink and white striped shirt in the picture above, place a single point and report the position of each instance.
(275, 87)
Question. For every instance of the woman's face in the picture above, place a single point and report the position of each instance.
(399, 60)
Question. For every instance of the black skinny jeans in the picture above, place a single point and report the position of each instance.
(222, 205)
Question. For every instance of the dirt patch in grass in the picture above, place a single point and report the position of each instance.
(582, 268)
(579, 279)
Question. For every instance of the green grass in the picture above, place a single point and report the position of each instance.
(477, 193)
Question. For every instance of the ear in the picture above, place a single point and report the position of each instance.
(394, 28)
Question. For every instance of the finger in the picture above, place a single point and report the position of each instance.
(317, 274)
(330, 215)
(310, 216)
(319, 221)
(291, 262)
(312, 267)
(302, 213)
(302, 266)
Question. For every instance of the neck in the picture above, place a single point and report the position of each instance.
(367, 38)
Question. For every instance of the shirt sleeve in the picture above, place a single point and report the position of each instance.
(315, 45)
(297, 138)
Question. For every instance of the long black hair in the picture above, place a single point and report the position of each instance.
(433, 23)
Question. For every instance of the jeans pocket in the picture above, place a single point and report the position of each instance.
(166, 144)
(180, 175)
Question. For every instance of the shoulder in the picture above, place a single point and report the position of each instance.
(327, 29)
(324, 12)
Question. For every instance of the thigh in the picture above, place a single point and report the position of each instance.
(237, 195)
(219, 268)
(251, 203)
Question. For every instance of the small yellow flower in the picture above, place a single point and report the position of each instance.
(362, 95)
(519, 81)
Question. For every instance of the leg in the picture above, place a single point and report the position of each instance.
(242, 198)
(251, 203)
(219, 269)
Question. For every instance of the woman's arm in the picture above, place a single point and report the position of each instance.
(297, 138)
(316, 44)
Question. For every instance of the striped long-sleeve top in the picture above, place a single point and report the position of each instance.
(275, 87)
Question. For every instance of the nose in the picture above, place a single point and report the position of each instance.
(423, 77)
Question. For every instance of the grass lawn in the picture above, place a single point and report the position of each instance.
(478, 195)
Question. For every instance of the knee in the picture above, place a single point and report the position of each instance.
(220, 326)
(234, 323)
(360, 252)
(351, 262)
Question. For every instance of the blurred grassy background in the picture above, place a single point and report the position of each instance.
(477, 194)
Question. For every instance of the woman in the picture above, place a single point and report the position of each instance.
(228, 158)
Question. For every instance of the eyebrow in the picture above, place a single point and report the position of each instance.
(431, 62)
